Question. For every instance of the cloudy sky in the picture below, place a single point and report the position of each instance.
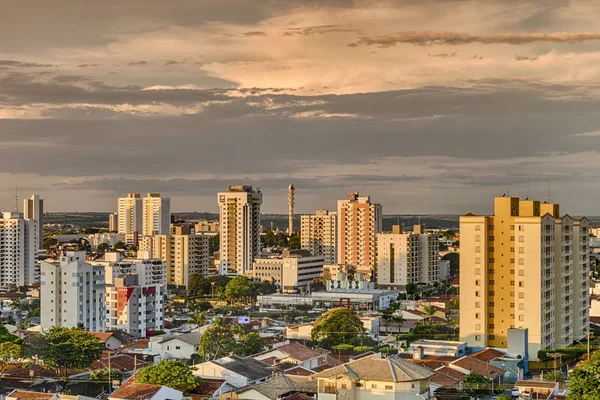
(426, 105)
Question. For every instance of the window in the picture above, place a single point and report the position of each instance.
(521, 295)
(521, 284)
(477, 315)
(358, 385)
(477, 293)
(477, 304)
(521, 318)
(521, 306)
(389, 387)
(521, 272)
(477, 327)
(478, 337)
(373, 386)
(477, 282)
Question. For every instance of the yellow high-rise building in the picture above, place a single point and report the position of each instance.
(523, 267)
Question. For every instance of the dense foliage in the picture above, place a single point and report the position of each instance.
(338, 325)
(584, 383)
(173, 374)
(102, 375)
(64, 349)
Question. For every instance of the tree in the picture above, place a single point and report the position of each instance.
(8, 352)
(197, 284)
(267, 287)
(49, 242)
(454, 304)
(281, 239)
(102, 247)
(338, 325)
(477, 385)
(102, 374)
(294, 241)
(173, 374)
(240, 287)
(216, 342)
(64, 349)
(213, 244)
(584, 383)
(430, 310)
(504, 397)
(554, 376)
(250, 344)
(119, 246)
(450, 393)
(241, 330)
(6, 336)
(10, 320)
(411, 288)
(197, 317)
(454, 259)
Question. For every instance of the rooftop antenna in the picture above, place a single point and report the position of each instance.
(16, 199)
(529, 188)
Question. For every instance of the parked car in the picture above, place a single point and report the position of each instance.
(514, 392)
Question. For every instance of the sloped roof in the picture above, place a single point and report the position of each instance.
(487, 355)
(208, 387)
(442, 379)
(298, 371)
(102, 336)
(451, 372)
(247, 367)
(135, 391)
(298, 352)
(391, 369)
(536, 384)
(27, 395)
(474, 365)
(192, 338)
(281, 385)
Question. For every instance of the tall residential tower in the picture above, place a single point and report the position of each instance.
(130, 214)
(523, 267)
(359, 221)
(157, 215)
(239, 228)
(318, 234)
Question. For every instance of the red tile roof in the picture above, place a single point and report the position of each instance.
(474, 365)
(444, 380)
(27, 395)
(102, 336)
(487, 355)
(120, 361)
(208, 387)
(135, 391)
(451, 372)
(298, 371)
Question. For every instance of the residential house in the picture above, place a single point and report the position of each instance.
(132, 390)
(178, 346)
(374, 376)
(438, 348)
(294, 353)
(237, 371)
(27, 395)
(211, 389)
(536, 389)
(109, 340)
(279, 387)
(468, 364)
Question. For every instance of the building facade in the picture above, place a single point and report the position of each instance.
(523, 267)
(184, 254)
(359, 221)
(19, 244)
(130, 214)
(239, 226)
(33, 210)
(403, 258)
(113, 222)
(72, 293)
(292, 273)
(319, 234)
(156, 215)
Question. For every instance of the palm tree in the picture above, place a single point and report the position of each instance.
(399, 319)
(197, 317)
(430, 310)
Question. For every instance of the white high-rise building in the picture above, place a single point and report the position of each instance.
(403, 258)
(239, 228)
(157, 215)
(33, 209)
(73, 292)
(292, 272)
(319, 235)
(20, 240)
(130, 214)
(134, 293)
(359, 221)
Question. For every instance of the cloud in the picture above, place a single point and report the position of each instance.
(88, 65)
(316, 30)
(455, 38)
(134, 63)
(524, 58)
(172, 62)
(20, 64)
(443, 55)
(254, 33)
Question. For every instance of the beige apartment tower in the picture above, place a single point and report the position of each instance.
(407, 257)
(318, 234)
(130, 214)
(157, 215)
(523, 267)
(359, 221)
(239, 228)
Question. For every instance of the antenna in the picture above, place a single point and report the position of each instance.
(16, 199)
(529, 188)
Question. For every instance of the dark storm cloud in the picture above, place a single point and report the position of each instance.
(524, 58)
(20, 64)
(457, 38)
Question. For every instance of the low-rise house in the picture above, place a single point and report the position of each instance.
(374, 376)
(27, 395)
(178, 346)
(237, 371)
(109, 340)
(438, 348)
(280, 387)
(211, 389)
(132, 390)
(294, 353)
(536, 389)
(468, 364)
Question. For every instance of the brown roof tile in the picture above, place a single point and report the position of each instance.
(209, 386)
(443, 379)
(102, 336)
(135, 391)
(474, 365)
(27, 395)
(451, 372)
(487, 355)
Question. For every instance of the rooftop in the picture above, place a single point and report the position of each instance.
(481, 367)
(248, 366)
(135, 391)
(299, 352)
(391, 369)
(487, 355)
(536, 384)
(27, 395)
(281, 385)
(192, 338)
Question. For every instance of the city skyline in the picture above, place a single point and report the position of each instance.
(426, 106)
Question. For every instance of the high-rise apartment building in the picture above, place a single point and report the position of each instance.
(403, 258)
(157, 215)
(239, 226)
(185, 254)
(72, 292)
(33, 209)
(318, 234)
(113, 222)
(130, 214)
(523, 267)
(20, 239)
(359, 221)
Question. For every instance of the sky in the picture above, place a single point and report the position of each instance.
(428, 106)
